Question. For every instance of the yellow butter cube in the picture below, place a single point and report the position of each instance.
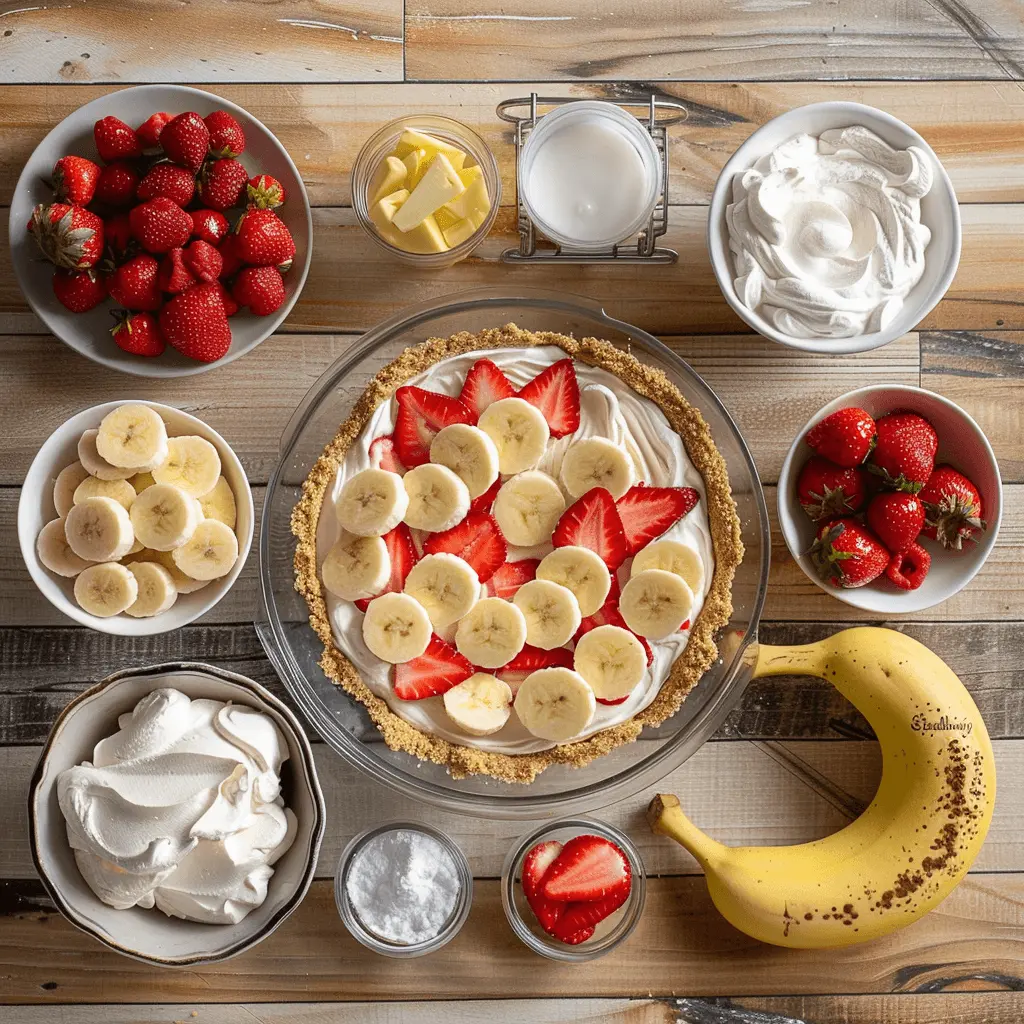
(388, 177)
(416, 163)
(441, 184)
(459, 232)
(475, 198)
(412, 139)
(426, 237)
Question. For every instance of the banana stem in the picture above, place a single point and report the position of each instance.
(666, 818)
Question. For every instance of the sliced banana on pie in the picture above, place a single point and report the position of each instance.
(672, 556)
(519, 432)
(469, 453)
(445, 585)
(555, 704)
(220, 503)
(132, 437)
(396, 628)
(93, 487)
(597, 462)
(479, 705)
(99, 530)
(527, 508)
(165, 517)
(156, 590)
(65, 485)
(356, 567)
(438, 498)
(612, 660)
(56, 553)
(192, 463)
(372, 503)
(95, 464)
(551, 611)
(106, 589)
(209, 553)
(580, 570)
(491, 633)
(655, 603)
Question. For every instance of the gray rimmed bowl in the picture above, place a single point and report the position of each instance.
(149, 935)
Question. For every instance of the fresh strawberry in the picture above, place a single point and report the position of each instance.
(845, 437)
(138, 333)
(264, 192)
(908, 568)
(421, 414)
(226, 135)
(609, 615)
(230, 306)
(897, 518)
(209, 226)
(221, 184)
(484, 385)
(528, 660)
(174, 276)
(69, 237)
(118, 184)
(163, 179)
(953, 507)
(647, 512)
(79, 290)
(848, 554)
(74, 180)
(511, 576)
(434, 672)
(535, 866)
(160, 225)
(134, 284)
(593, 522)
(259, 288)
(383, 455)
(484, 502)
(403, 557)
(589, 868)
(150, 129)
(115, 140)
(584, 915)
(264, 240)
(228, 250)
(203, 260)
(556, 392)
(904, 455)
(476, 540)
(572, 938)
(826, 490)
(195, 323)
(117, 233)
(610, 702)
(186, 139)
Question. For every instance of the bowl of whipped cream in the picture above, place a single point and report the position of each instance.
(175, 814)
(834, 228)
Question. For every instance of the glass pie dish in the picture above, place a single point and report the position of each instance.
(295, 650)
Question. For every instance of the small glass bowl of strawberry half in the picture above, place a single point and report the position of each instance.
(573, 889)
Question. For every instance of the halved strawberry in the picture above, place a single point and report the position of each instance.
(588, 868)
(421, 414)
(476, 540)
(609, 615)
(528, 660)
(403, 558)
(647, 512)
(383, 455)
(434, 672)
(483, 502)
(610, 703)
(593, 522)
(556, 392)
(485, 384)
(535, 866)
(511, 576)
(573, 938)
(580, 916)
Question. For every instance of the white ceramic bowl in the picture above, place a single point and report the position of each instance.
(939, 211)
(89, 333)
(149, 935)
(36, 509)
(961, 444)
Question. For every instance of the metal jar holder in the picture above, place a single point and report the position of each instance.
(661, 115)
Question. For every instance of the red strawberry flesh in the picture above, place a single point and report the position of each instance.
(535, 866)
(484, 385)
(484, 502)
(647, 512)
(556, 392)
(476, 540)
(511, 576)
(384, 456)
(433, 673)
(589, 868)
(403, 556)
(593, 522)
(421, 414)
(579, 916)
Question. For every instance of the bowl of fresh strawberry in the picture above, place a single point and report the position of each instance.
(161, 230)
(890, 498)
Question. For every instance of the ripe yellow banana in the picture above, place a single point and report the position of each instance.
(916, 840)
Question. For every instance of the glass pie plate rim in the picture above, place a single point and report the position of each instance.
(515, 801)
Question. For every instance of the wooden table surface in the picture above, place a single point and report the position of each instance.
(793, 757)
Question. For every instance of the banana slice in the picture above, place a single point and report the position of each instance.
(596, 462)
(446, 586)
(65, 485)
(581, 570)
(356, 567)
(219, 504)
(555, 704)
(55, 552)
(672, 556)
(164, 516)
(551, 612)
(135, 549)
(94, 463)
(396, 628)
(132, 437)
(527, 508)
(182, 583)
(612, 661)
(106, 589)
(491, 633)
(438, 498)
(519, 432)
(99, 530)
(372, 503)
(141, 481)
(192, 463)
(468, 452)
(479, 705)
(209, 553)
(93, 487)
(655, 603)
(156, 590)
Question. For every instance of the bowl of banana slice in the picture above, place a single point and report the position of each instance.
(135, 518)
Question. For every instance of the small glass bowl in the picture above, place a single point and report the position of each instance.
(383, 142)
(610, 932)
(362, 934)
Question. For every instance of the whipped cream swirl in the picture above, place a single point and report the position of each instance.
(181, 809)
(826, 232)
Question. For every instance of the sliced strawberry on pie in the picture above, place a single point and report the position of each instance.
(511, 576)
(580, 916)
(593, 522)
(384, 456)
(528, 660)
(484, 385)
(483, 502)
(589, 868)
(556, 392)
(647, 512)
(403, 558)
(535, 867)
(476, 540)
(435, 671)
(421, 414)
